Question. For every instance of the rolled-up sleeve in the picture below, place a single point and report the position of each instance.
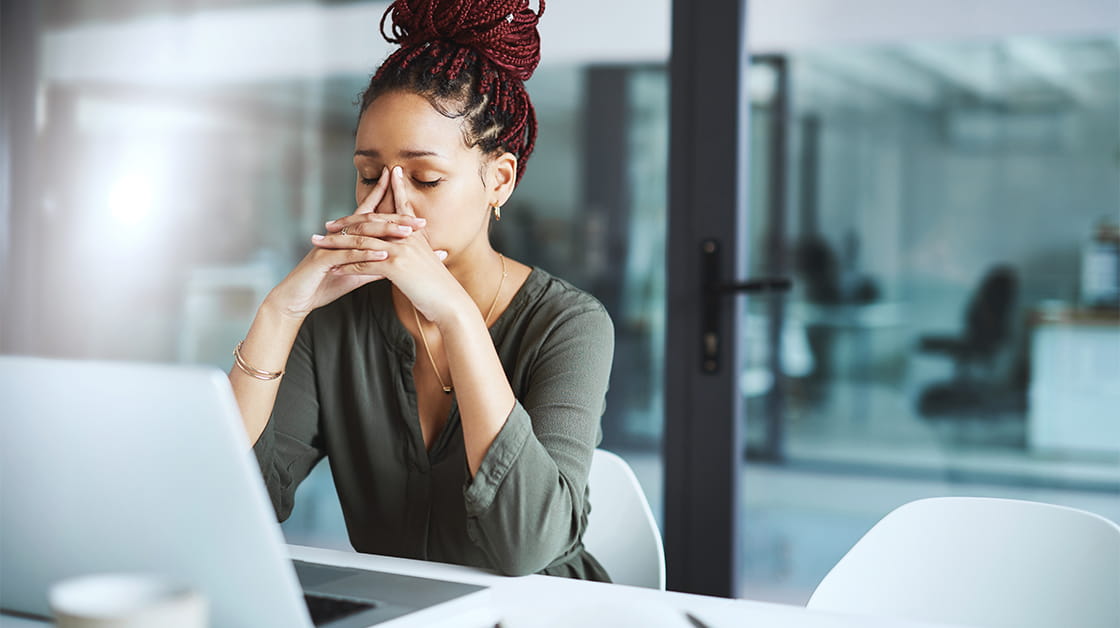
(527, 505)
(290, 445)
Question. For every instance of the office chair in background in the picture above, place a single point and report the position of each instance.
(621, 531)
(975, 386)
(984, 562)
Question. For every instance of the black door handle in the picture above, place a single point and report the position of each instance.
(714, 290)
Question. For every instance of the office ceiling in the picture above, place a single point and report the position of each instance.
(1016, 73)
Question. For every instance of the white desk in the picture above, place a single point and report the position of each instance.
(1075, 364)
(546, 602)
(549, 601)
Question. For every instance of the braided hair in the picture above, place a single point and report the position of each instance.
(469, 59)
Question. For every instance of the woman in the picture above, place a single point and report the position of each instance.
(457, 392)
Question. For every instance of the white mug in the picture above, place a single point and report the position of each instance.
(126, 601)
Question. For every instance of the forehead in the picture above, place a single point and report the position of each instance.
(402, 121)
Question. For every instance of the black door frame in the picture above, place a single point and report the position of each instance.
(707, 202)
(20, 297)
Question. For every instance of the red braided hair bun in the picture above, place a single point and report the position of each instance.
(505, 31)
(470, 59)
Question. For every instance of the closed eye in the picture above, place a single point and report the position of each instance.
(420, 182)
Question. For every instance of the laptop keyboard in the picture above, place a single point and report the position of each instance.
(324, 609)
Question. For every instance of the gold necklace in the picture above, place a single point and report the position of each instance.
(446, 387)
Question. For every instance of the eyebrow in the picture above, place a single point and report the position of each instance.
(404, 154)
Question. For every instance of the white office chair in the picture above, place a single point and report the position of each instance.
(621, 531)
(982, 562)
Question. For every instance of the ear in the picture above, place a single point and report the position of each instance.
(503, 171)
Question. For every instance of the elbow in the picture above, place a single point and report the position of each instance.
(531, 555)
(516, 570)
(521, 565)
(515, 558)
(514, 554)
(533, 552)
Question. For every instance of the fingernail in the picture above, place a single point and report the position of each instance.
(403, 229)
(420, 222)
(331, 222)
(398, 172)
(316, 237)
(442, 255)
(380, 255)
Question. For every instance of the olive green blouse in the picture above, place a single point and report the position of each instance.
(348, 394)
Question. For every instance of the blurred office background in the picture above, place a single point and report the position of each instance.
(944, 189)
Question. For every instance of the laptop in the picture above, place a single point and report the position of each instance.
(125, 467)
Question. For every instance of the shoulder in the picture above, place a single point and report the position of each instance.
(559, 298)
(555, 307)
(561, 336)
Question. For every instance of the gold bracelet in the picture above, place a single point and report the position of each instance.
(255, 373)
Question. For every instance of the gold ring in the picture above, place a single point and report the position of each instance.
(345, 231)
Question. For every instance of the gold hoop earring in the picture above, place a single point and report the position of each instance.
(497, 212)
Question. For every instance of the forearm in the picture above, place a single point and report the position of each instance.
(523, 509)
(484, 396)
(526, 503)
(266, 347)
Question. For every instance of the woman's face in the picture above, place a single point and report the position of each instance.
(448, 183)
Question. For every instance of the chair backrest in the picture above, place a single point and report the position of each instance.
(984, 562)
(989, 316)
(621, 531)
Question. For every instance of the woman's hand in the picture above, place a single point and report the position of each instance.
(313, 282)
(405, 256)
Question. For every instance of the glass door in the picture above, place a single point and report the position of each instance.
(948, 212)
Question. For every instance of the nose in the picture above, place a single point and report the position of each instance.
(387, 205)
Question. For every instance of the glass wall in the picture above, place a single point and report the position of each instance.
(951, 223)
(187, 152)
